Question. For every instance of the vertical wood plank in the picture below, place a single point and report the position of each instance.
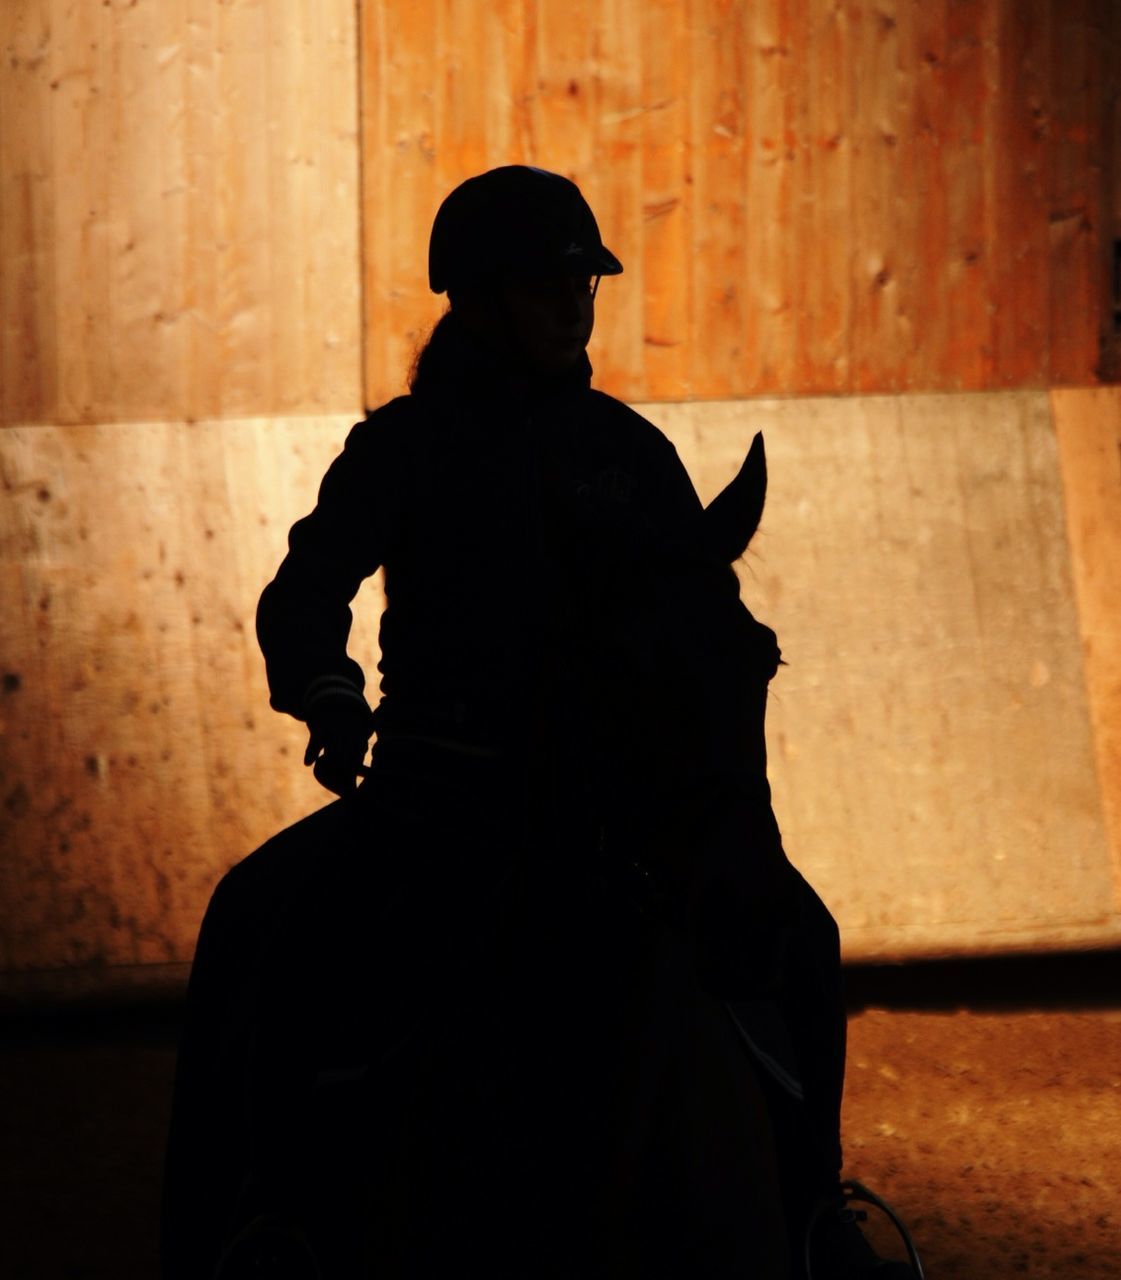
(1017, 218)
(563, 102)
(721, 78)
(874, 192)
(508, 84)
(965, 293)
(820, 238)
(923, 208)
(245, 189)
(1076, 154)
(771, 150)
(332, 251)
(666, 263)
(406, 193)
(203, 128)
(373, 65)
(170, 253)
(142, 355)
(1110, 369)
(28, 356)
(614, 190)
(911, 272)
(1088, 427)
(80, 167)
(460, 78)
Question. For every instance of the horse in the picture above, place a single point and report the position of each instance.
(600, 1085)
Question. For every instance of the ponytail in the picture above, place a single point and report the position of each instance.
(428, 356)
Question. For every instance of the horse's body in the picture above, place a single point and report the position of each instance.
(481, 1023)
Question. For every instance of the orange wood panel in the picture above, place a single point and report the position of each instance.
(179, 226)
(461, 90)
(1019, 262)
(876, 282)
(720, 80)
(509, 42)
(1088, 427)
(821, 238)
(1077, 209)
(666, 201)
(562, 109)
(810, 196)
(402, 192)
(922, 208)
(28, 339)
(970, 152)
(774, 51)
(614, 185)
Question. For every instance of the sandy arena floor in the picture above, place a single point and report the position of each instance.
(984, 1103)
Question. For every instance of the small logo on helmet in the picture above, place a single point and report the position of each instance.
(572, 250)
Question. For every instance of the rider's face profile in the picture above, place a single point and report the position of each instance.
(551, 318)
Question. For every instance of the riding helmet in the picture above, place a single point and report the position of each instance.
(511, 221)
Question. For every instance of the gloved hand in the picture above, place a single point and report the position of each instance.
(338, 738)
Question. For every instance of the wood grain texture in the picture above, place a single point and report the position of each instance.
(1077, 192)
(821, 238)
(178, 210)
(138, 754)
(932, 739)
(809, 196)
(1088, 426)
(1018, 113)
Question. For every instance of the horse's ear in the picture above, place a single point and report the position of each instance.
(731, 518)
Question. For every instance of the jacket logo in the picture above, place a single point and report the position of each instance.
(614, 485)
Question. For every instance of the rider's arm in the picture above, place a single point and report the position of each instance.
(304, 616)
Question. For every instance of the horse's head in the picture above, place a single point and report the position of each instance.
(670, 669)
(662, 701)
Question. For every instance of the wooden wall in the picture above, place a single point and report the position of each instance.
(811, 196)
(180, 334)
(139, 757)
(941, 571)
(178, 220)
(942, 574)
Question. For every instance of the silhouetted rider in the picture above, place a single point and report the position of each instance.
(481, 494)
(465, 491)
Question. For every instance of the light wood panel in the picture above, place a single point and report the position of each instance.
(138, 754)
(951, 681)
(808, 196)
(932, 746)
(1088, 424)
(178, 209)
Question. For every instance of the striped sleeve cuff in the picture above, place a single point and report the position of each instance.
(331, 689)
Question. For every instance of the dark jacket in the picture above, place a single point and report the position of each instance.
(478, 493)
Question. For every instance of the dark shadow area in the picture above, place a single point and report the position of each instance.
(1069, 981)
(85, 1096)
(85, 1101)
(139, 1023)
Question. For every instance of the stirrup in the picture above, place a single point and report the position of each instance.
(268, 1246)
(851, 1191)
